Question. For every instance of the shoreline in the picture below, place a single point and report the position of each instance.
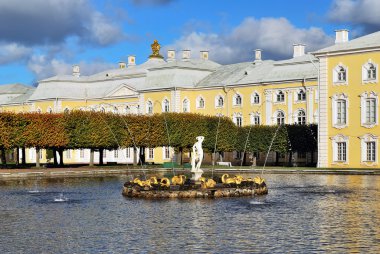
(21, 174)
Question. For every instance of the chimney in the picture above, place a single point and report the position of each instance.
(122, 65)
(131, 61)
(298, 50)
(171, 55)
(257, 56)
(185, 54)
(76, 70)
(341, 36)
(204, 55)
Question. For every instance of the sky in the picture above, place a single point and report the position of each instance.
(44, 38)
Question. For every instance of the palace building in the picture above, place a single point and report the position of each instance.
(336, 87)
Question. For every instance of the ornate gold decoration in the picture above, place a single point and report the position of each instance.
(155, 50)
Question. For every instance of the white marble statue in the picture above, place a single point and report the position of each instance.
(197, 155)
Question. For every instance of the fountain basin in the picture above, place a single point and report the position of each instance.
(192, 191)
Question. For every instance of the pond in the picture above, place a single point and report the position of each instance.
(301, 213)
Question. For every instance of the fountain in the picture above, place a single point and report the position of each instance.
(197, 186)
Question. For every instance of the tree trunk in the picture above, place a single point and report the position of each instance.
(142, 155)
(3, 157)
(38, 152)
(23, 156)
(92, 153)
(179, 156)
(55, 157)
(17, 159)
(60, 152)
(101, 151)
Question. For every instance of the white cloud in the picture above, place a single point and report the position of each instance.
(41, 22)
(362, 14)
(275, 36)
(44, 66)
(12, 52)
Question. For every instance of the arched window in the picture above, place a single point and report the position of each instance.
(38, 111)
(149, 107)
(237, 100)
(301, 117)
(301, 96)
(280, 118)
(66, 110)
(50, 110)
(341, 74)
(280, 96)
(219, 101)
(127, 110)
(255, 98)
(102, 109)
(238, 119)
(166, 106)
(185, 105)
(200, 102)
(115, 110)
(371, 71)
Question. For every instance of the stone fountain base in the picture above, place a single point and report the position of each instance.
(194, 191)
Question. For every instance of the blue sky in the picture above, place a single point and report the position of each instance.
(43, 38)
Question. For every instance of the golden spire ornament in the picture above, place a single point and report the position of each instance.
(155, 50)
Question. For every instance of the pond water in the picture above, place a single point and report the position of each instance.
(301, 213)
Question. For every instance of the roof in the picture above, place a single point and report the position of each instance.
(367, 41)
(15, 89)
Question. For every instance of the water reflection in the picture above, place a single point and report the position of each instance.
(301, 213)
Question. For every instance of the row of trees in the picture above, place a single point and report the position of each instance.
(99, 131)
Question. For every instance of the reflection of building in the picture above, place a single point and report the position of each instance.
(256, 92)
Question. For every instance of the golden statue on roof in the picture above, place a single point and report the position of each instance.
(155, 50)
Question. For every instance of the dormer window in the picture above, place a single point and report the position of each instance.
(280, 96)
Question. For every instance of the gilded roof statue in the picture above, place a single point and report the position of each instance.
(155, 50)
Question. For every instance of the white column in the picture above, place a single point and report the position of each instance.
(323, 144)
(141, 104)
(309, 104)
(290, 119)
(268, 107)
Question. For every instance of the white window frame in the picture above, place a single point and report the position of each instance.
(335, 99)
(279, 96)
(128, 153)
(81, 153)
(166, 153)
(217, 101)
(187, 109)
(363, 144)
(335, 141)
(336, 71)
(150, 153)
(165, 105)
(49, 110)
(255, 95)
(199, 103)
(363, 105)
(276, 117)
(238, 119)
(68, 154)
(116, 153)
(255, 118)
(297, 116)
(301, 93)
(365, 69)
(237, 102)
(127, 109)
(149, 107)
